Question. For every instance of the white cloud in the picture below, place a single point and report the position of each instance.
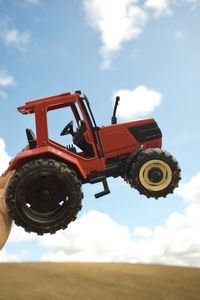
(6, 79)
(4, 157)
(12, 37)
(159, 7)
(190, 191)
(179, 238)
(138, 102)
(19, 235)
(96, 237)
(117, 21)
(143, 232)
(8, 257)
(120, 21)
(18, 256)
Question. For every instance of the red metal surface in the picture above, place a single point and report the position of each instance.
(83, 165)
(116, 139)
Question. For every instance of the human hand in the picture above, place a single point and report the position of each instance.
(5, 220)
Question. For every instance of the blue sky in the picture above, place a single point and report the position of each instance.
(104, 48)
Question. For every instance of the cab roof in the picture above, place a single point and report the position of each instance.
(49, 103)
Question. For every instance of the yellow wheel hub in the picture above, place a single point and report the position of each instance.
(155, 175)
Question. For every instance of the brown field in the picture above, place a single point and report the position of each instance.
(63, 281)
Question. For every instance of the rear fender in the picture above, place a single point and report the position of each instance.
(46, 152)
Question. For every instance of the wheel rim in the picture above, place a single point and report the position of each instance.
(45, 199)
(155, 175)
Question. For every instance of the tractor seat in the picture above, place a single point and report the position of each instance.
(79, 139)
(31, 138)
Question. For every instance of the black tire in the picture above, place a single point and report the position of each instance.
(155, 173)
(43, 196)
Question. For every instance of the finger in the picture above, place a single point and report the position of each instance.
(5, 228)
(4, 180)
(5, 222)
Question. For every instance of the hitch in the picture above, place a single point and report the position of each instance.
(106, 190)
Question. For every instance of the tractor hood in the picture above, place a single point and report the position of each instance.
(126, 137)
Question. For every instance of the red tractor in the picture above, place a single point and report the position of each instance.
(44, 193)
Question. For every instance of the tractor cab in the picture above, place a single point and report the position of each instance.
(82, 127)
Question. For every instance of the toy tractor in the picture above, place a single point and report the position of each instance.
(44, 193)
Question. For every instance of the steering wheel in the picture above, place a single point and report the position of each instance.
(68, 129)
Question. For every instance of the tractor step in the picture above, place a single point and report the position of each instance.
(106, 190)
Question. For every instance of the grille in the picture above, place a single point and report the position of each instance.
(146, 132)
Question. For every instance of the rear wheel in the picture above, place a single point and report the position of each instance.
(155, 173)
(44, 196)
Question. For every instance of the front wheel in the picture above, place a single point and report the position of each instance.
(155, 173)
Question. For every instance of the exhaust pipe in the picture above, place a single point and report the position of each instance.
(114, 118)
